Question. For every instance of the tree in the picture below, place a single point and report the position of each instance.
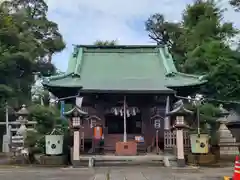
(235, 4)
(48, 119)
(105, 43)
(207, 50)
(161, 31)
(27, 42)
(200, 25)
(199, 45)
(32, 19)
(167, 33)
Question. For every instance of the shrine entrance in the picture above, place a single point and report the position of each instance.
(115, 124)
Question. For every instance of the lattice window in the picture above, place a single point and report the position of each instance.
(157, 123)
(76, 121)
(180, 120)
(170, 140)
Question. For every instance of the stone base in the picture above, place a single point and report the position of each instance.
(228, 158)
(126, 148)
(181, 162)
(229, 151)
(18, 160)
(201, 159)
(76, 163)
(53, 160)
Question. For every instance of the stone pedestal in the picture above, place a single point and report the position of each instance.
(201, 159)
(76, 149)
(126, 148)
(53, 160)
(180, 148)
(227, 143)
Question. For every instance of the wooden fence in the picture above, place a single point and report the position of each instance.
(170, 140)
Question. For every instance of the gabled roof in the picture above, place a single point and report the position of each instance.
(78, 110)
(179, 109)
(122, 68)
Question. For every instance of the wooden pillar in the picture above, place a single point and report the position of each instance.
(167, 123)
(167, 126)
(124, 120)
(180, 148)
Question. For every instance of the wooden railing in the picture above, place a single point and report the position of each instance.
(170, 140)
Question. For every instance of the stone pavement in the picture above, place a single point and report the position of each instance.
(112, 173)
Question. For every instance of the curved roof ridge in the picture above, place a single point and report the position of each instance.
(200, 77)
(119, 46)
(167, 60)
(79, 59)
(59, 76)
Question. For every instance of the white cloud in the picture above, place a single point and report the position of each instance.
(84, 21)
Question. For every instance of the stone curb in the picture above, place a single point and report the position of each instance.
(186, 168)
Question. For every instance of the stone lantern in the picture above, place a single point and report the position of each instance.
(75, 117)
(17, 140)
(22, 119)
(233, 124)
(222, 120)
(179, 113)
(226, 141)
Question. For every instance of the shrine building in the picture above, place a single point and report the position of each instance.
(126, 91)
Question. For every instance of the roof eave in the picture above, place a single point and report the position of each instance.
(167, 91)
(49, 85)
(188, 85)
(117, 46)
(49, 81)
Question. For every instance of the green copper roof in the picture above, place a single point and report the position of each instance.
(122, 68)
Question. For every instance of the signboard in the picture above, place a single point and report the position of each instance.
(139, 139)
(79, 101)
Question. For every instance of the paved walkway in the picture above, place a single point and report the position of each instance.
(112, 173)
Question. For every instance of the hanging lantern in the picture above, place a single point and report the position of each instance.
(115, 111)
(134, 112)
(128, 113)
(121, 112)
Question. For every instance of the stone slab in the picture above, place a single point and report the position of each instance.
(113, 173)
(76, 163)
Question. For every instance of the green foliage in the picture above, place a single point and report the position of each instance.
(208, 112)
(105, 43)
(47, 119)
(27, 42)
(199, 44)
(235, 4)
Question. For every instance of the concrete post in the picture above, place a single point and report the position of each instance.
(180, 148)
(76, 148)
(167, 118)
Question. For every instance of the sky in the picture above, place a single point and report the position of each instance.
(85, 21)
